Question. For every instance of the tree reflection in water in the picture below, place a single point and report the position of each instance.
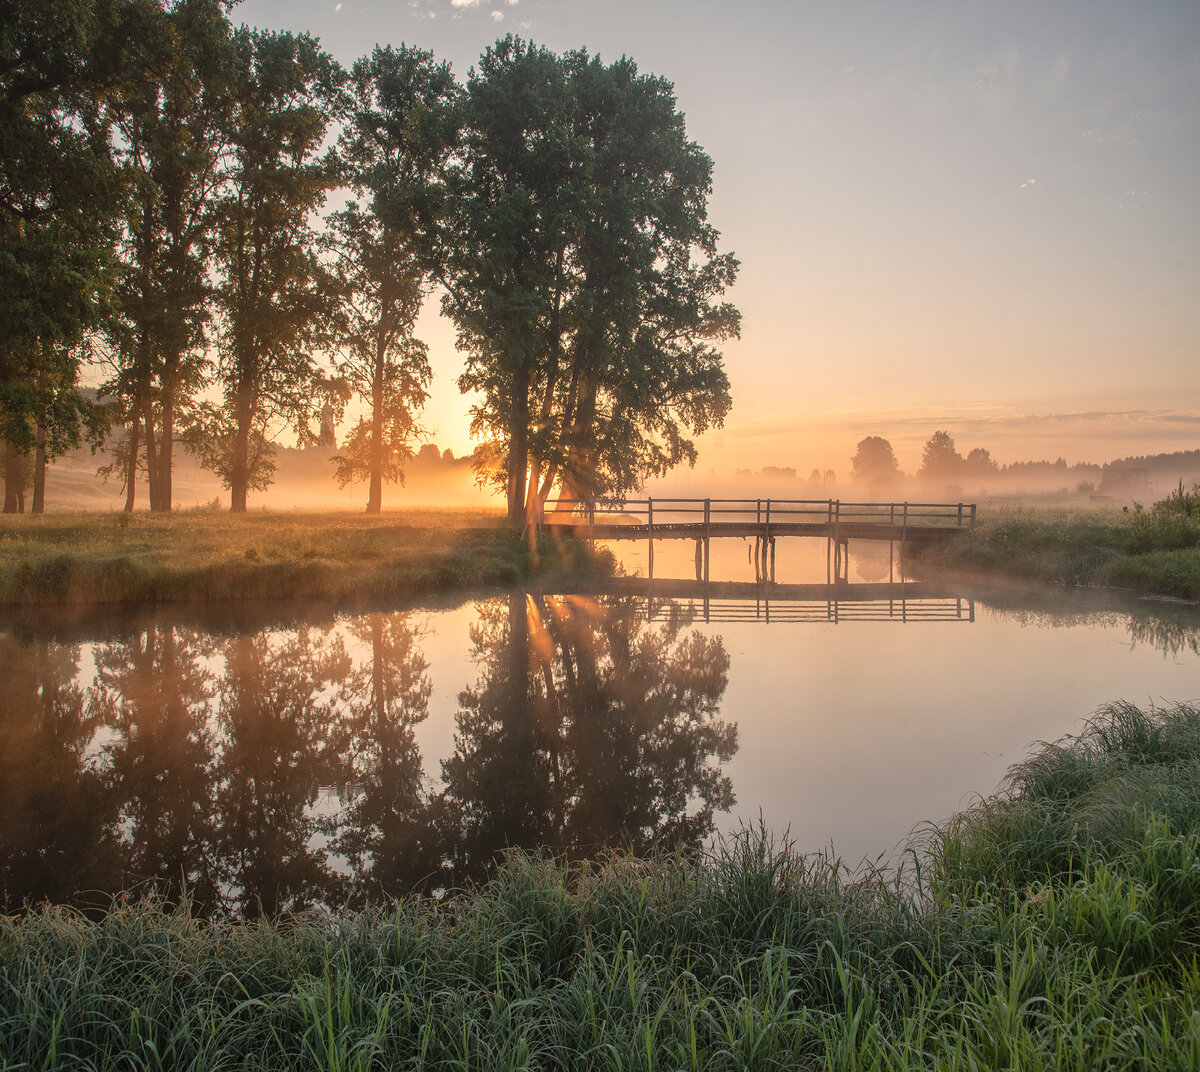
(155, 688)
(271, 771)
(280, 739)
(58, 837)
(384, 831)
(588, 728)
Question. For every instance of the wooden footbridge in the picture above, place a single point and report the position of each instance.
(691, 519)
(764, 520)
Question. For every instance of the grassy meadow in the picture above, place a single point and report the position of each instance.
(1053, 925)
(1154, 550)
(91, 558)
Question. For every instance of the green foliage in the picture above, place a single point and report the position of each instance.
(393, 147)
(1182, 502)
(58, 65)
(170, 118)
(1153, 551)
(582, 274)
(754, 957)
(274, 295)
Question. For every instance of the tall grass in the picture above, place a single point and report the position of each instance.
(116, 557)
(1051, 926)
(1155, 550)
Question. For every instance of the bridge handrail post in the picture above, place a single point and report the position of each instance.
(960, 514)
(973, 515)
(837, 546)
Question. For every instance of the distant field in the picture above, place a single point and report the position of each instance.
(1151, 550)
(83, 558)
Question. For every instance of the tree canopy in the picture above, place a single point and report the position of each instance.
(397, 136)
(582, 274)
(274, 294)
(161, 185)
(875, 463)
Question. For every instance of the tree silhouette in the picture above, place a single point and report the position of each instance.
(874, 463)
(155, 689)
(273, 295)
(587, 728)
(385, 830)
(940, 461)
(58, 837)
(582, 275)
(280, 741)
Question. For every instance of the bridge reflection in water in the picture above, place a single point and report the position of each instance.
(731, 601)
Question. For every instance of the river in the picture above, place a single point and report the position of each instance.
(276, 757)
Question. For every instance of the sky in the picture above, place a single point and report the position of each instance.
(978, 216)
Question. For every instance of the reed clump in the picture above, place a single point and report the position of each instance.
(1052, 925)
(81, 559)
(1155, 550)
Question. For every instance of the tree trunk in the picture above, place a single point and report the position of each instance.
(378, 690)
(131, 466)
(239, 475)
(151, 459)
(518, 449)
(39, 472)
(375, 494)
(166, 446)
(14, 480)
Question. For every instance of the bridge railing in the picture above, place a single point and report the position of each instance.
(666, 511)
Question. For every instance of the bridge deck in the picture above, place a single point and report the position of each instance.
(700, 530)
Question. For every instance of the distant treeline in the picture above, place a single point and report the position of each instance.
(944, 470)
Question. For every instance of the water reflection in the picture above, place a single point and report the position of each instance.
(306, 757)
(154, 689)
(57, 814)
(278, 769)
(586, 729)
(385, 832)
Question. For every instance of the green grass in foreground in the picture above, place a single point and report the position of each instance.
(1054, 925)
(115, 557)
(1153, 551)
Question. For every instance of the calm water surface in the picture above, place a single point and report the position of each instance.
(275, 757)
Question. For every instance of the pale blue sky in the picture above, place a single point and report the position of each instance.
(975, 216)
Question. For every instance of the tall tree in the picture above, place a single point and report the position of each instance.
(171, 119)
(58, 64)
(583, 276)
(394, 145)
(273, 294)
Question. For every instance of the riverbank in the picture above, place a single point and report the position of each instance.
(96, 558)
(1155, 551)
(1051, 925)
